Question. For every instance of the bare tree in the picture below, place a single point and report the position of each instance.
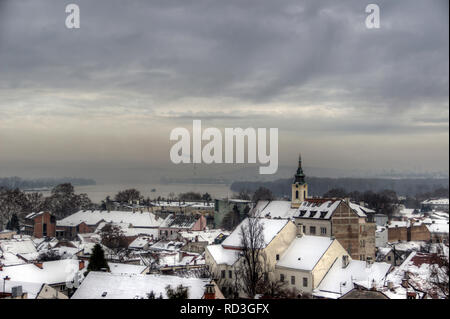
(253, 256)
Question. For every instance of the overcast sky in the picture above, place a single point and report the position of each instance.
(91, 101)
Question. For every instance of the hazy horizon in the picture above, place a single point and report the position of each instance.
(100, 101)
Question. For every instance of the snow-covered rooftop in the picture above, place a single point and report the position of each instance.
(338, 281)
(103, 285)
(304, 252)
(439, 201)
(18, 246)
(31, 288)
(179, 221)
(208, 235)
(117, 268)
(136, 219)
(274, 209)
(223, 256)
(317, 208)
(271, 227)
(52, 272)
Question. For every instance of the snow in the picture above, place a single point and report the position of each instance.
(10, 259)
(166, 245)
(117, 268)
(32, 289)
(53, 272)
(419, 271)
(338, 281)
(117, 286)
(128, 230)
(18, 246)
(439, 201)
(179, 221)
(317, 210)
(136, 219)
(271, 227)
(438, 226)
(223, 256)
(140, 242)
(203, 235)
(304, 252)
(274, 209)
(361, 210)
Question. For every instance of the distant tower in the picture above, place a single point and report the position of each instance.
(299, 186)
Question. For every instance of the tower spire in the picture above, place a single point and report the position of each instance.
(299, 176)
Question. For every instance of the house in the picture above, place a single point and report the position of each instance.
(351, 224)
(57, 274)
(381, 236)
(224, 259)
(345, 221)
(141, 243)
(87, 221)
(104, 285)
(196, 241)
(408, 230)
(22, 249)
(412, 279)
(434, 204)
(307, 260)
(7, 234)
(42, 223)
(438, 230)
(30, 290)
(173, 224)
(348, 274)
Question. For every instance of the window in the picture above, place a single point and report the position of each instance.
(304, 229)
(305, 282)
(281, 277)
(304, 194)
(223, 273)
(292, 280)
(323, 230)
(230, 273)
(277, 257)
(389, 258)
(296, 194)
(44, 231)
(312, 230)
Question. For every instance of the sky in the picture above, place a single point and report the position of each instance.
(100, 101)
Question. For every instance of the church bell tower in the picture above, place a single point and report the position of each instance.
(299, 186)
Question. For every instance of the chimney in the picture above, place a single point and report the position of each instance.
(299, 230)
(390, 285)
(369, 262)
(347, 200)
(39, 265)
(345, 261)
(210, 292)
(405, 283)
(81, 265)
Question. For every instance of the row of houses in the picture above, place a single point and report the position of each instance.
(133, 224)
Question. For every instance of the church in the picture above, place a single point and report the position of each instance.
(338, 218)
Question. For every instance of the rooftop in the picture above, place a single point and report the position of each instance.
(103, 285)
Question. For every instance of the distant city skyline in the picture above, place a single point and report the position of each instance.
(100, 101)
